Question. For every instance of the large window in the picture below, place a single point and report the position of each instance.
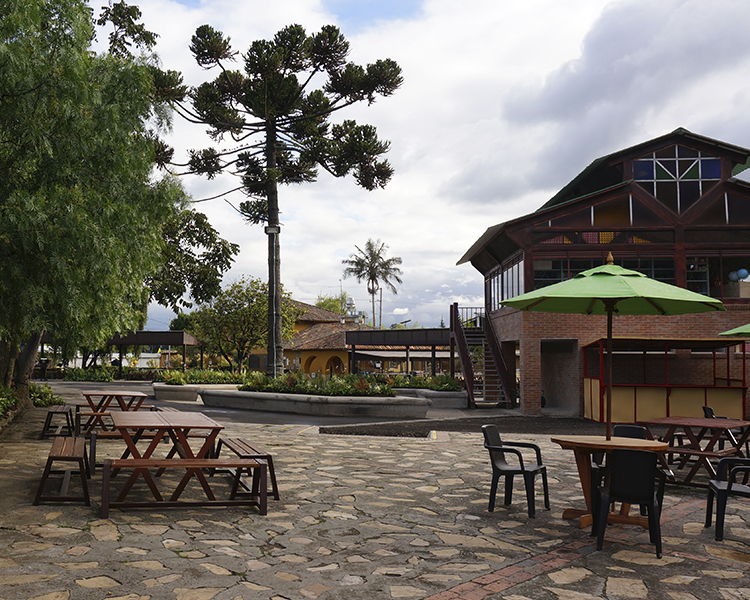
(677, 176)
(719, 276)
(505, 282)
(549, 271)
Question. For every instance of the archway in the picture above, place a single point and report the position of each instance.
(335, 366)
(308, 364)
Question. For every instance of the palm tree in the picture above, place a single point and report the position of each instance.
(371, 265)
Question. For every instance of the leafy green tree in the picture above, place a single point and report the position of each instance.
(80, 215)
(279, 127)
(333, 303)
(194, 258)
(372, 266)
(234, 322)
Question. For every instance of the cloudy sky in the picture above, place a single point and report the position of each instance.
(502, 104)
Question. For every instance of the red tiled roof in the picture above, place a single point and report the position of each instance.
(324, 336)
(315, 314)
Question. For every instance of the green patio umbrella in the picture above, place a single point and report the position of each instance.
(741, 331)
(610, 289)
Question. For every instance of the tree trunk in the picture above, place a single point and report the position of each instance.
(26, 361)
(274, 351)
(8, 356)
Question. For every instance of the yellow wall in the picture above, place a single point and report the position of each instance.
(321, 362)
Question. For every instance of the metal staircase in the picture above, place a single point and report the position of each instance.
(486, 375)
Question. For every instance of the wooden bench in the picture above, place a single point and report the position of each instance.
(243, 449)
(66, 449)
(51, 429)
(192, 466)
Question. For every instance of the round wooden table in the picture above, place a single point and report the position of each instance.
(583, 446)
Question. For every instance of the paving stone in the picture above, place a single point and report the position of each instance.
(365, 517)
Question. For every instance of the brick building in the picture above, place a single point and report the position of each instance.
(671, 208)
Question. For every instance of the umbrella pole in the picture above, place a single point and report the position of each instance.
(608, 370)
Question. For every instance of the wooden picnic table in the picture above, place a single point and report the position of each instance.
(177, 427)
(704, 437)
(583, 446)
(100, 403)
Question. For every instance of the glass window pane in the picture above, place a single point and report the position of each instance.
(710, 168)
(669, 152)
(685, 152)
(690, 191)
(643, 169)
(662, 173)
(666, 192)
(670, 166)
(689, 169)
(648, 186)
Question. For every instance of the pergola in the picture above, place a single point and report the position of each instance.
(156, 338)
(383, 342)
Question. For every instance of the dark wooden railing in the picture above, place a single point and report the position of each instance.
(458, 336)
(503, 373)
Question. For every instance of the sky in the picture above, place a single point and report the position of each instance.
(502, 104)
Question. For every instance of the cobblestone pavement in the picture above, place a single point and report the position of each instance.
(359, 517)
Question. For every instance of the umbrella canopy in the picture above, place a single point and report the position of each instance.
(741, 331)
(610, 289)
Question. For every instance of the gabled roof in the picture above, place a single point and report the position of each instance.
(324, 336)
(602, 175)
(315, 314)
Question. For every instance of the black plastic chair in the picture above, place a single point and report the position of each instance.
(634, 478)
(599, 468)
(723, 486)
(499, 453)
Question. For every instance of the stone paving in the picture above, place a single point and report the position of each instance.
(359, 517)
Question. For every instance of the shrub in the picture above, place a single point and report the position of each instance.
(103, 374)
(299, 383)
(8, 401)
(42, 395)
(197, 376)
(438, 383)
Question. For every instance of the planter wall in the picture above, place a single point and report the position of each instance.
(176, 393)
(330, 406)
(458, 399)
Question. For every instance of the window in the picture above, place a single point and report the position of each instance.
(549, 271)
(505, 282)
(677, 176)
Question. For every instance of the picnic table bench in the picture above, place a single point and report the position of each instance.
(256, 496)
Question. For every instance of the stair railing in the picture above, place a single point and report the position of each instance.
(501, 367)
(459, 336)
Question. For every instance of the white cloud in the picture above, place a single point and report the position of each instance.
(502, 104)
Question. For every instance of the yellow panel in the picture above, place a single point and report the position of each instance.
(587, 398)
(651, 402)
(686, 402)
(726, 402)
(591, 399)
(623, 404)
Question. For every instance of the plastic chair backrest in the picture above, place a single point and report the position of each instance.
(708, 412)
(632, 475)
(630, 431)
(492, 438)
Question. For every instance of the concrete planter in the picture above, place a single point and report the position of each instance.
(458, 399)
(329, 406)
(176, 393)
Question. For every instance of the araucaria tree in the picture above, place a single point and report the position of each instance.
(372, 266)
(80, 215)
(280, 130)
